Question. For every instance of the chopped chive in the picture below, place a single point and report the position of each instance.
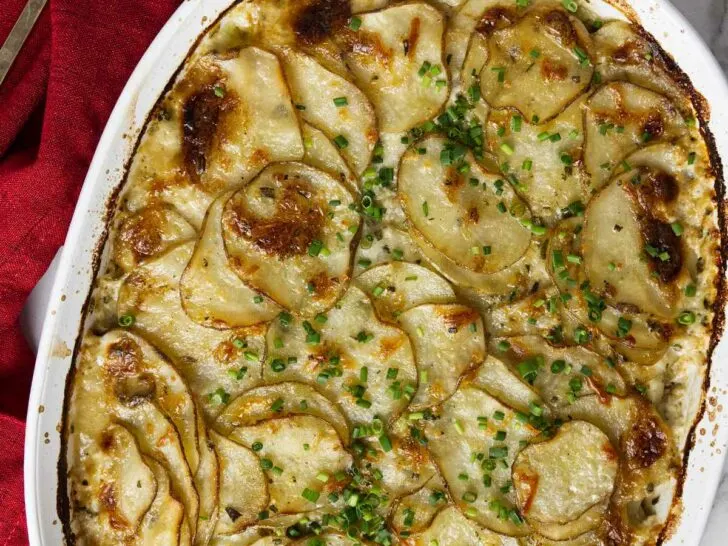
(341, 142)
(341, 101)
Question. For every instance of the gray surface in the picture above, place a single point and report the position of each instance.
(710, 18)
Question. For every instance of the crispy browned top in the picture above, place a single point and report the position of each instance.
(296, 223)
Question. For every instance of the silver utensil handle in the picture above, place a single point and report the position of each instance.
(10, 49)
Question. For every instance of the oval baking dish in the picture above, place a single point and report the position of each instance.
(84, 254)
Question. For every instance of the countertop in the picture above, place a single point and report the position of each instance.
(710, 18)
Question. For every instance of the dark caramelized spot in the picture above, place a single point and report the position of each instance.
(657, 187)
(614, 530)
(644, 444)
(414, 37)
(296, 223)
(320, 19)
(202, 115)
(143, 232)
(653, 127)
(661, 237)
(458, 319)
(322, 284)
(527, 486)
(495, 19)
(107, 498)
(558, 25)
(474, 215)
(232, 513)
(630, 52)
(135, 389)
(123, 358)
(453, 182)
(552, 71)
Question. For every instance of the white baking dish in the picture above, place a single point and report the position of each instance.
(75, 272)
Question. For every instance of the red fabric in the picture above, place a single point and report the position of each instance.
(53, 106)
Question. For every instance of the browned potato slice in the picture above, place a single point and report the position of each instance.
(623, 53)
(399, 286)
(620, 118)
(616, 231)
(108, 477)
(559, 480)
(281, 238)
(226, 118)
(402, 83)
(217, 365)
(538, 65)
(480, 227)
(243, 486)
(148, 233)
(212, 293)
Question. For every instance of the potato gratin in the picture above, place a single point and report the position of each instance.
(425, 273)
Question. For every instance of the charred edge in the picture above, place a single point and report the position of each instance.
(63, 505)
(702, 109)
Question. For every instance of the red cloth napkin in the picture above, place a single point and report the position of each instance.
(53, 106)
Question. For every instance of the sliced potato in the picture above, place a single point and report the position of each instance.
(323, 154)
(560, 375)
(513, 282)
(414, 513)
(293, 398)
(472, 225)
(616, 231)
(475, 60)
(472, 422)
(212, 293)
(558, 480)
(162, 524)
(385, 246)
(243, 486)
(623, 53)
(110, 485)
(536, 313)
(390, 74)
(318, 90)
(448, 340)
(299, 479)
(329, 539)
(404, 468)
(215, 364)
(543, 83)
(450, 526)
(642, 338)
(332, 354)
(228, 117)
(497, 379)
(399, 286)
(147, 233)
(158, 437)
(280, 238)
(544, 161)
(620, 118)
(207, 482)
